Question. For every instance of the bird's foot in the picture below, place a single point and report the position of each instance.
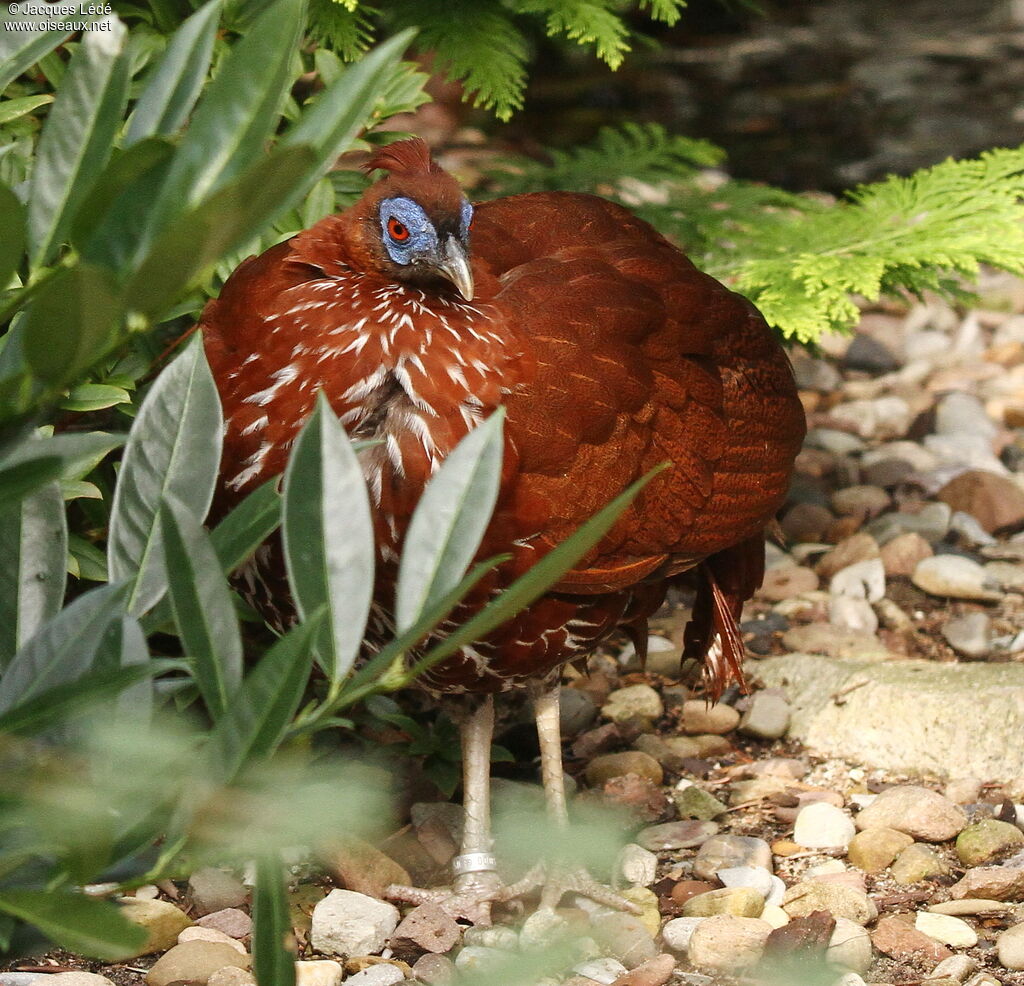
(555, 881)
(476, 885)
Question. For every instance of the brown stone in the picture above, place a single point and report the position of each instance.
(807, 522)
(900, 940)
(653, 972)
(857, 547)
(786, 581)
(231, 921)
(901, 555)
(685, 889)
(996, 502)
(603, 768)
(361, 867)
(875, 849)
(193, 963)
(427, 928)
(991, 883)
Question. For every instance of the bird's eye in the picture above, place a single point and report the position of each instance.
(399, 232)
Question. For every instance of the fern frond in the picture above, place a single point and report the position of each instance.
(587, 22)
(634, 150)
(667, 11)
(914, 233)
(343, 26)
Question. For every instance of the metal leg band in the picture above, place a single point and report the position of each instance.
(473, 862)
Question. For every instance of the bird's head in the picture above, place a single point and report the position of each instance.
(413, 225)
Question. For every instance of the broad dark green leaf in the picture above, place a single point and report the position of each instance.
(56, 705)
(449, 521)
(20, 50)
(202, 606)
(70, 321)
(33, 546)
(538, 579)
(77, 137)
(328, 537)
(239, 534)
(77, 454)
(340, 112)
(273, 961)
(196, 240)
(64, 648)
(262, 710)
(20, 479)
(12, 234)
(237, 114)
(173, 86)
(136, 700)
(94, 397)
(76, 922)
(173, 447)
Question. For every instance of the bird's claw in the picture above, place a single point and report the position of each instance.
(472, 904)
(556, 881)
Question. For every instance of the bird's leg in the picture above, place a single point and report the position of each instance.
(475, 881)
(556, 880)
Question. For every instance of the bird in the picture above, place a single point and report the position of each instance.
(419, 314)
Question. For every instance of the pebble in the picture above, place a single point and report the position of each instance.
(902, 941)
(576, 711)
(916, 863)
(861, 580)
(960, 413)
(633, 702)
(677, 933)
(918, 811)
(818, 895)
(786, 581)
(231, 921)
(637, 866)
(971, 906)
(970, 634)
(849, 946)
(806, 522)
(1010, 947)
(480, 960)
(349, 923)
(694, 802)
(163, 923)
(361, 867)
(991, 883)
(840, 443)
(823, 826)
(624, 937)
(954, 577)
(213, 889)
(823, 638)
(319, 972)
(945, 929)
(931, 522)
(766, 715)
(75, 978)
(957, 967)
(987, 841)
(856, 548)
(726, 851)
(852, 614)
(193, 963)
(904, 553)
(726, 943)
(756, 878)
(198, 933)
(676, 835)
(434, 970)
(860, 501)
(383, 974)
(604, 971)
(426, 928)
(230, 976)
(604, 768)
(699, 717)
(874, 849)
(1009, 576)
(745, 902)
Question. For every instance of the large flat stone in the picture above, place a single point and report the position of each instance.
(913, 716)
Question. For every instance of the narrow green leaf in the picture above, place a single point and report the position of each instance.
(173, 86)
(173, 447)
(136, 700)
(237, 114)
(449, 521)
(12, 234)
(202, 606)
(20, 50)
(64, 648)
(273, 961)
(76, 454)
(56, 705)
(91, 562)
(33, 545)
(328, 537)
(69, 323)
(95, 397)
(538, 579)
(13, 109)
(77, 137)
(239, 534)
(196, 240)
(260, 714)
(76, 922)
(20, 479)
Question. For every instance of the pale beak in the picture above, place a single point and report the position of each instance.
(454, 266)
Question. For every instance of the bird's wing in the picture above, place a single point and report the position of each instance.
(640, 359)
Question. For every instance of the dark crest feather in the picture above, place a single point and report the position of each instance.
(406, 157)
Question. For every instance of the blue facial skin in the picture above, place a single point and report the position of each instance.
(422, 242)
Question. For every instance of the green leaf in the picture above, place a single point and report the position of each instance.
(272, 959)
(237, 114)
(20, 50)
(77, 454)
(20, 479)
(13, 109)
(260, 714)
(239, 534)
(194, 241)
(94, 397)
(64, 648)
(173, 86)
(76, 922)
(328, 537)
(174, 447)
(77, 138)
(91, 562)
(202, 606)
(70, 322)
(449, 521)
(56, 705)
(12, 234)
(33, 545)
